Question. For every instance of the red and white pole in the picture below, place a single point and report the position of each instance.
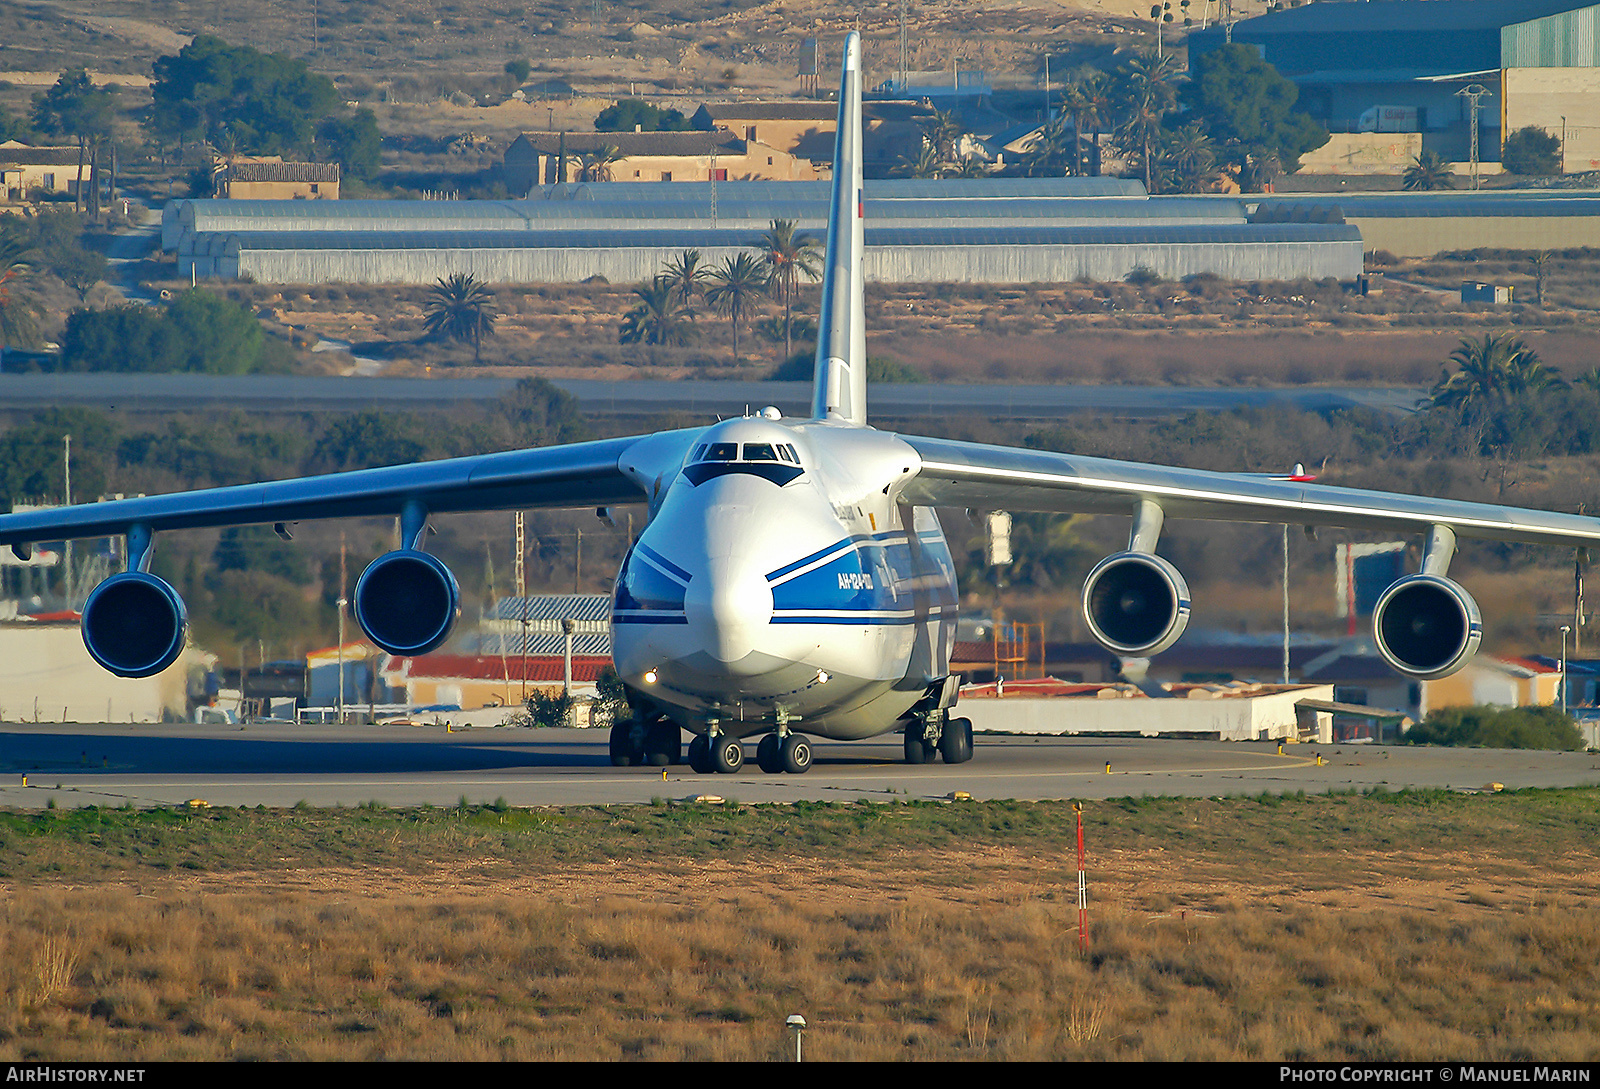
(1083, 887)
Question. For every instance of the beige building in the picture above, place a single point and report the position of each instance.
(805, 128)
(46, 675)
(1501, 682)
(485, 680)
(1565, 102)
(270, 178)
(531, 160)
(31, 171)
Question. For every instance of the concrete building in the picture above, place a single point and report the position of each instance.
(46, 675)
(28, 172)
(1538, 62)
(271, 178)
(533, 158)
(1234, 712)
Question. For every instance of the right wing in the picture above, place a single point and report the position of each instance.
(983, 477)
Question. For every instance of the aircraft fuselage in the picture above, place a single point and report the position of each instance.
(777, 581)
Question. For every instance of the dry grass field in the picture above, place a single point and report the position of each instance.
(1389, 926)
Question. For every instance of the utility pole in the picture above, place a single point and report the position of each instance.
(1472, 93)
(522, 600)
(343, 601)
(1286, 603)
(66, 468)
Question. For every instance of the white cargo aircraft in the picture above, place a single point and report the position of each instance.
(793, 572)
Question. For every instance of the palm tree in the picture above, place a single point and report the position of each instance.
(735, 285)
(17, 314)
(1046, 156)
(1541, 268)
(789, 255)
(1147, 96)
(686, 276)
(460, 307)
(944, 132)
(1189, 156)
(1490, 371)
(659, 317)
(596, 165)
(927, 164)
(1428, 171)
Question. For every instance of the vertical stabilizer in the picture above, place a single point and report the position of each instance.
(840, 388)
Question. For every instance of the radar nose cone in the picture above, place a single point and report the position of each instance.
(728, 612)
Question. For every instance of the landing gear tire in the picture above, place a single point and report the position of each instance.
(796, 754)
(728, 755)
(700, 756)
(955, 743)
(917, 750)
(769, 755)
(625, 750)
(663, 744)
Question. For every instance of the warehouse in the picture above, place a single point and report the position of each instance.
(1012, 230)
(1239, 251)
(1423, 224)
(587, 204)
(1537, 63)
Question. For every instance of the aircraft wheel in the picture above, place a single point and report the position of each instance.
(625, 752)
(728, 755)
(663, 743)
(955, 743)
(700, 756)
(916, 751)
(796, 754)
(769, 754)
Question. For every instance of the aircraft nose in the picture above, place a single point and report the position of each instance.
(728, 611)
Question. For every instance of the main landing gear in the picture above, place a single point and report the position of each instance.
(657, 743)
(951, 740)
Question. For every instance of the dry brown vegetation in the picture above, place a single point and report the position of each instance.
(1407, 926)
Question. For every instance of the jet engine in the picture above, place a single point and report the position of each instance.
(407, 601)
(1136, 603)
(1426, 626)
(135, 624)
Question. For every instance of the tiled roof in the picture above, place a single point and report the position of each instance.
(633, 144)
(450, 667)
(282, 172)
(42, 156)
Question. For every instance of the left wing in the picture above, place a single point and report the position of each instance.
(978, 476)
(584, 474)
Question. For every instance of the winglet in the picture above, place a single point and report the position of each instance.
(839, 391)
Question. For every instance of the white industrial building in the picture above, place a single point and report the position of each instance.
(995, 230)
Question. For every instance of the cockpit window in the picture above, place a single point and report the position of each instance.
(698, 452)
(723, 451)
(759, 451)
(783, 454)
(794, 455)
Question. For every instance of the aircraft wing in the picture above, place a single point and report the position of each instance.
(585, 474)
(982, 477)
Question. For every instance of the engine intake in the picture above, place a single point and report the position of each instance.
(135, 624)
(407, 601)
(1136, 604)
(1426, 626)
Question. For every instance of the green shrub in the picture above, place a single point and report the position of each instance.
(1497, 728)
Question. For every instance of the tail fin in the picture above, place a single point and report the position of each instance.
(840, 387)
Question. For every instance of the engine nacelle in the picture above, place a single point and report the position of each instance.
(135, 624)
(1426, 626)
(407, 601)
(1136, 603)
